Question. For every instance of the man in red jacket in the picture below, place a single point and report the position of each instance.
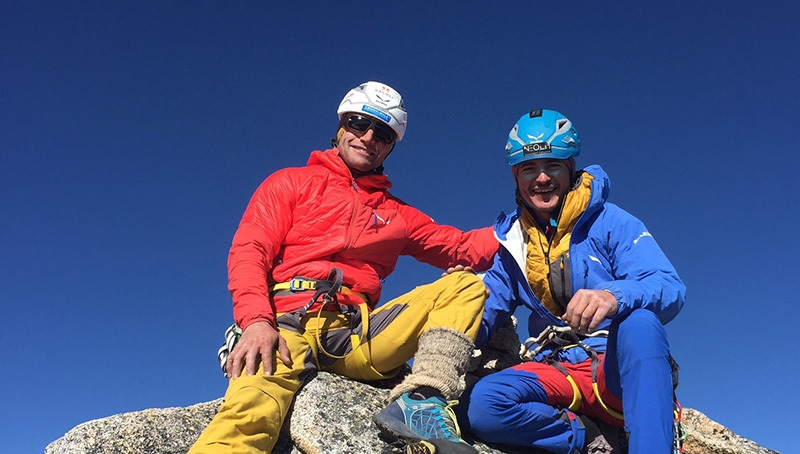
(305, 272)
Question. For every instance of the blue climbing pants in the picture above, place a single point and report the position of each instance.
(527, 405)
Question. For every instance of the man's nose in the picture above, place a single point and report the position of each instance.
(542, 176)
(368, 136)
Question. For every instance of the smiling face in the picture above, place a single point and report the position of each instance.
(543, 184)
(362, 153)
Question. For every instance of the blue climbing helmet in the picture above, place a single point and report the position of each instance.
(542, 134)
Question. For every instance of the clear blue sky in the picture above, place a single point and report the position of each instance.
(132, 135)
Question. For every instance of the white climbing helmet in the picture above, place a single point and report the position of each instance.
(379, 101)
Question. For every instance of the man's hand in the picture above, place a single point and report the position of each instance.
(457, 268)
(588, 308)
(258, 343)
(453, 269)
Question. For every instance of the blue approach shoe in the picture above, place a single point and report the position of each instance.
(429, 425)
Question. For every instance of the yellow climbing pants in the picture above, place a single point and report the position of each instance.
(254, 407)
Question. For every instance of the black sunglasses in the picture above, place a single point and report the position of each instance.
(359, 124)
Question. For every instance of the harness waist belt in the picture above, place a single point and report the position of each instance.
(300, 284)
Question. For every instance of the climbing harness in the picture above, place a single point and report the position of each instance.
(564, 338)
(325, 294)
(329, 287)
(560, 338)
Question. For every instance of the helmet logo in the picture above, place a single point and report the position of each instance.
(536, 148)
(376, 113)
(514, 135)
(383, 95)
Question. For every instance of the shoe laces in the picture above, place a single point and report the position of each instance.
(442, 417)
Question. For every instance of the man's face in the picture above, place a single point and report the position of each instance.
(362, 151)
(543, 184)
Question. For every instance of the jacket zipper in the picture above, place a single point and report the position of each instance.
(350, 226)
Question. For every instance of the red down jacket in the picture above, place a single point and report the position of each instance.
(305, 221)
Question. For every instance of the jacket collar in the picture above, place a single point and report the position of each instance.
(507, 226)
(331, 160)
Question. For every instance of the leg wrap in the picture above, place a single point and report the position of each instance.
(440, 362)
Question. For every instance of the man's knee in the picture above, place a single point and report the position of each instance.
(248, 420)
(494, 398)
(641, 329)
(483, 406)
(638, 337)
(464, 281)
(457, 300)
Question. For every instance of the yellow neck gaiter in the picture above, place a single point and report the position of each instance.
(541, 252)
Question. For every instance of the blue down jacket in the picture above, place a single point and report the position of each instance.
(609, 250)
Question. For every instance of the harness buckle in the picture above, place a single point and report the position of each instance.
(299, 285)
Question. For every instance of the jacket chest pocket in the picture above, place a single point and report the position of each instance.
(560, 279)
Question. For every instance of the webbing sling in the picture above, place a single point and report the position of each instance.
(563, 337)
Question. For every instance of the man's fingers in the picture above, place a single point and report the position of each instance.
(588, 308)
(457, 268)
(599, 316)
(574, 312)
(234, 364)
(585, 319)
(229, 368)
(283, 351)
(266, 360)
(251, 361)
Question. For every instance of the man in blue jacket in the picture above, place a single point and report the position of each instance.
(599, 290)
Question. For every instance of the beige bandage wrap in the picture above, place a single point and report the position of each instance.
(440, 362)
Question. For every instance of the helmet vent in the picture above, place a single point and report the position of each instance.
(562, 125)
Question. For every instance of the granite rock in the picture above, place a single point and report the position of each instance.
(333, 415)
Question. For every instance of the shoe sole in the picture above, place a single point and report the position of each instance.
(396, 429)
(442, 446)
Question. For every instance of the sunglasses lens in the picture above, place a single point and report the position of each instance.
(383, 133)
(360, 125)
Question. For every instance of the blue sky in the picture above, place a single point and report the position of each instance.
(132, 135)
